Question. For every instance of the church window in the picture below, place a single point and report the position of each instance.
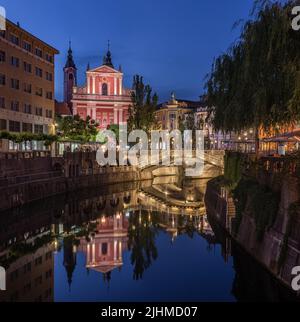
(104, 248)
(104, 89)
(71, 77)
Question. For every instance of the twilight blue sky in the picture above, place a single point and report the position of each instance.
(172, 43)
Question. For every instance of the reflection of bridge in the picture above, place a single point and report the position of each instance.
(212, 160)
(170, 205)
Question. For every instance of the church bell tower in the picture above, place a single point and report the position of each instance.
(70, 77)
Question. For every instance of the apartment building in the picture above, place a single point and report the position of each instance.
(26, 86)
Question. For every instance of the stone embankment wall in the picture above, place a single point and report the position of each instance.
(279, 248)
(23, 180)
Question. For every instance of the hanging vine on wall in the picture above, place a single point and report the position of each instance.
(293, 212)
(260, 201)
(233, 162)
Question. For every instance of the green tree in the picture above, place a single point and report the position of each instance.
(141, 112)
(74, 128)
(256, 84)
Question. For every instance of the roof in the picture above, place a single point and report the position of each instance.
(62, 108)
(31, 35)
(293, 136)
(189, 104)
(104, 69)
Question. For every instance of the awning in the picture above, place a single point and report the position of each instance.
(293, 137)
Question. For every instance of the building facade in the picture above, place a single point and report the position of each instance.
(26, 85)
(170, 114)
(103, 98)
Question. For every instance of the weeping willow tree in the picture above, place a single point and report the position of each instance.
(256, 84)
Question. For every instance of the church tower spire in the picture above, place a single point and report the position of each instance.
(70, 76)
(107, 59)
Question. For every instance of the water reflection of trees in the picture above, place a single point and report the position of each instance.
(142, 232)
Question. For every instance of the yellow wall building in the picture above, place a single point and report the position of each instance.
(26, 85)
(169, 114)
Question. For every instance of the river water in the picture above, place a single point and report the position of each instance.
(148, 241)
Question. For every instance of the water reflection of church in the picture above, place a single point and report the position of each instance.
(105, 246)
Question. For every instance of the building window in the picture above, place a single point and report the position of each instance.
(14, 126)
(14, 39)
(2, 34)
(2, 102)
(49, 114)
(27, 108)
(3, 125)
(27, 288)
(49, 95)
(39, 111)
(38, 128)
(48, 255)
(14, 106)
(27, 46)
(49, 77)
(39, 52)
(2, 56)
(49, 58)
(38, 72)
(27, 127)
(39, 91)
(15, 61)
(15, 83)
(2, 79)
(27, 88)
(27, 67)
(104, 248)
(27, 268)
(49, 274)
(38, 280)
(38, 261)
(104, 89)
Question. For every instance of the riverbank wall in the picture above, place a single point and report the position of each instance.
(273, 239)
(23, 180)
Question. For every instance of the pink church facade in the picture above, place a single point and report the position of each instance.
(103, 97)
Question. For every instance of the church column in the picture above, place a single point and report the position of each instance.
(115, 250)
(94, 113)
(93, 253)
(120, 86)
(74, 109)
(115, 115)
(88, 259)
(89, 112)
(120, 116)
(120, 250)
(115, 86)
(94, 85)
(88, 85)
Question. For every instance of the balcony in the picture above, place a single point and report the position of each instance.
(80, 93)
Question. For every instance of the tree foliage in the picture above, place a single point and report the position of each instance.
(74, 128)
(141, 112)
(257, 82)
(48, 139)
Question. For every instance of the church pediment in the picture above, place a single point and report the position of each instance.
(104, 69)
